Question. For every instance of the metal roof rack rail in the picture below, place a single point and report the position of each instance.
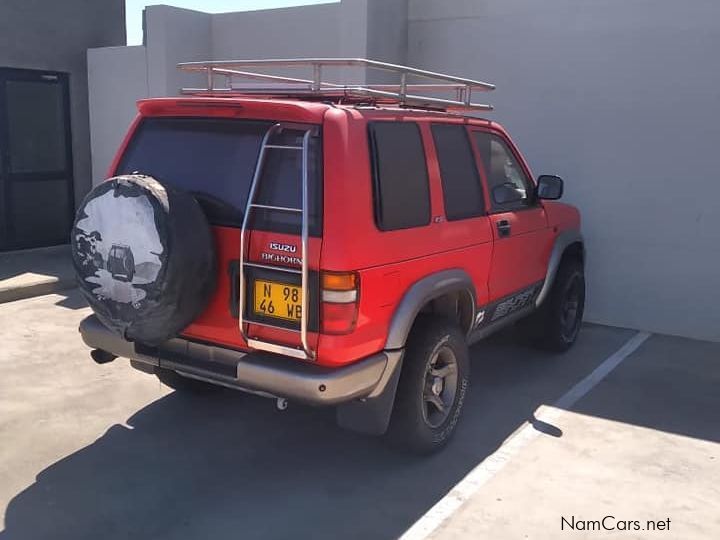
(239, 82)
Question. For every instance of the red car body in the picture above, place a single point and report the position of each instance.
(386, 262)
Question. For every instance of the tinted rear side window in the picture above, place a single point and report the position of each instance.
(215, 159)
(400, 178)
(462, 189)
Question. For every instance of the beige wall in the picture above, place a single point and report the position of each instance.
(117, 79)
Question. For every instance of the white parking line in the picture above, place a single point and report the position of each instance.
(491, 465)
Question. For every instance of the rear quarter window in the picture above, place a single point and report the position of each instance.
(462, 189)
(400, 177)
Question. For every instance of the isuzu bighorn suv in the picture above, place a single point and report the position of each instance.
(336, 245)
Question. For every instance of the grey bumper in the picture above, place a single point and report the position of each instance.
(257, 372)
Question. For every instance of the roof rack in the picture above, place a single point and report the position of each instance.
(238, 82)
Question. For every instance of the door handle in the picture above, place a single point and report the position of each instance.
(504, 228)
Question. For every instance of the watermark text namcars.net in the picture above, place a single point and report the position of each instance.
(611, 523)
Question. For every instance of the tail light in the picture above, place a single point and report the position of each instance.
(340, 293)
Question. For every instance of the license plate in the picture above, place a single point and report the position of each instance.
(278, 300)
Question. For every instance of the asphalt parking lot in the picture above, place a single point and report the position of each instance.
(91, 451)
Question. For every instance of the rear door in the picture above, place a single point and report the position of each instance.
(215, 159)
(520, 228)
(272, 270)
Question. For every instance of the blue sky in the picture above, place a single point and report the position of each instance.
(134, 10)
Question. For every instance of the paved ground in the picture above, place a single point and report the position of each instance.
(92, 451)
(642, 446)
(24, 274)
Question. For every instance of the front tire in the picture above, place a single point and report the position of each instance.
(556, 324)
(432, 386)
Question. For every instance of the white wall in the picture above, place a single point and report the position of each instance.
(622, 99)
(117, 78)
(175, 35)
(294, 32)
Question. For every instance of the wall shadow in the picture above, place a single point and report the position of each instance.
(230, 465)
(669, 384)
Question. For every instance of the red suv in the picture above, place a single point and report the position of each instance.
(334, 245)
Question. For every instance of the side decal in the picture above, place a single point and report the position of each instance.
(507, 306)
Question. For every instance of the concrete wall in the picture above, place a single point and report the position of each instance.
(387, 36)
(294, 32)
(52, 35)
(117, 79)
(174, 35)
(622, 99)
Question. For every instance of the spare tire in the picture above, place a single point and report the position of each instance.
(144, 257)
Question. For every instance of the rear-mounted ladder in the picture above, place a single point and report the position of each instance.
(305, 353)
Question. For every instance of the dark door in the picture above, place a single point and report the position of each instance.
(36, 176)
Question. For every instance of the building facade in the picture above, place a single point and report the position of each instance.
(619, 98)
(45, 166)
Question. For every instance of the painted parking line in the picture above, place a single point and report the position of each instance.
(491, 465)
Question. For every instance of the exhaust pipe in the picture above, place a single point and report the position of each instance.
(102, 357)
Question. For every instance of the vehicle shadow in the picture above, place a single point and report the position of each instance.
(229, 465)
(72, 300)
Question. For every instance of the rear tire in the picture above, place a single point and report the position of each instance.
(556, 324)
(432, 386)
(184, 384)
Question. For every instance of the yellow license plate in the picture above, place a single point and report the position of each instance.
(279, 300)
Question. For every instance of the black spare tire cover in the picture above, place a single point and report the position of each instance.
(144, 257)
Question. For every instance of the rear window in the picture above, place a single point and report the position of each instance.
(215, 160)
(400, 177)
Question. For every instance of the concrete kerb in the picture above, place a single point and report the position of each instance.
(36, 272)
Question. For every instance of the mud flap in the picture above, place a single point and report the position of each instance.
(371, 415)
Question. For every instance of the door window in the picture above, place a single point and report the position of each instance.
(503, 171)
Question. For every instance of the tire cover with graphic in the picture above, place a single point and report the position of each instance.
(144, 257)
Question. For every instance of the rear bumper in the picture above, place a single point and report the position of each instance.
(257, 372)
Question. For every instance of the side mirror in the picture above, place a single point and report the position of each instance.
(508, 193)
(549, 187)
